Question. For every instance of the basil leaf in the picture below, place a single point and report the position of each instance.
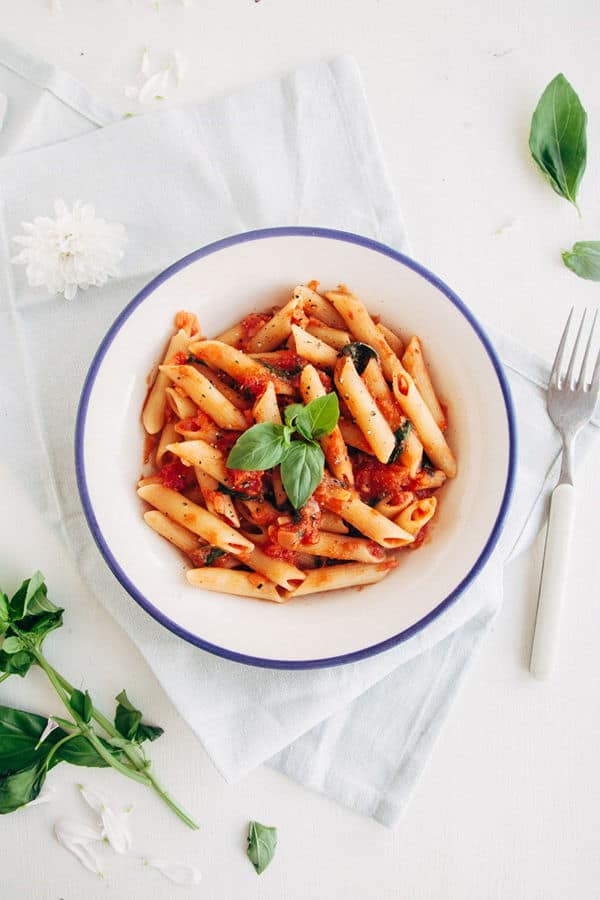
(301, 471)
(215, 553)
(262, 841)
(557, 140)
(291, 411)
(19, 788)
(82, 704)
(239, 495)
(4, 616)
(400, 435)
(39, 626)
(261, 447)
(360, 354)
(20, 732)
(584, 259)
(17, 664)
(12, 645)
(31, 598)
(319, 417)
(128, 722)
(79, 752)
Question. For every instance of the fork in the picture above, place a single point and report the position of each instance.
(571, 403)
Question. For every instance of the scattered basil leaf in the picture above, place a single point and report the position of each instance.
(31, 598)
(319, 417)
(584, 259)
(17, 664)
(20, 733)
(261, 447)
(301, 471)
(82, 704)
(360, 354)
(557, 139)
(128, 722)
(290, 413)
(401, 434)
(12, 645)
(262, 841)
(39, 626)
(20, 788)
(215, 553)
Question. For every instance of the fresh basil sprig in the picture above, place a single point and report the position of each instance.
(557, 139)
(584, 259)
(262, 841)
(29, 748)
(302, 461)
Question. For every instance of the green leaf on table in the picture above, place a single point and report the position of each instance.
(584, 259)
(557, 139)
(262, 841)
(401, 434)
(19, 788)
(12, 645)
(20, 733)
(261, 447)
(319, 417)
(82, 704)
(360, 354)
(17, 663)
(4, 615)
(301, 471)
(31, 598)
(79, 752)
(128, 722)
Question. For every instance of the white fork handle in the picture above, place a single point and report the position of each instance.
(553, 581)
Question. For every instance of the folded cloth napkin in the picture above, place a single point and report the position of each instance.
(177, 180)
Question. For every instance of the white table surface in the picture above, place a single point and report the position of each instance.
(509, 805)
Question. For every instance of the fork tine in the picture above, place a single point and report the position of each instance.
(570, 380)
(586, 356)
(560, 353)
(595, 385)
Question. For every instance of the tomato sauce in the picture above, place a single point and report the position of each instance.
(176, 476)
(374, 480)
(250, 483)
(252, 324)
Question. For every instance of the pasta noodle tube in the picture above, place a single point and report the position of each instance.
(199, 453)
(417, 514)
(354, 436)
(176, 534)
(382, 394)
(216, 501)
(153, 414)
(276, 330)
(206, 396)
(367, 520)
(278, 571)
(335, 337)
(418, 412)
(313, 348)
(167, 436)
(266, 409)
(316, 305)
(414, 363)
(392, 339)
(332, 522)
(362, 326)
(238, 365)
(195, 518)
(364, 410)
(242, 584)
(331, 578)
(336, 546)
(182, 406)
(233, 336)
(391, 510)
(232, 395)
(333, 445)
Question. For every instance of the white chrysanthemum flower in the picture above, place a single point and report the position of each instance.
(115, 825)
(74, 250)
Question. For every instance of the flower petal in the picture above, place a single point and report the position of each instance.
(50, 726)
(115, 824)
(78, 838)
(177, 872)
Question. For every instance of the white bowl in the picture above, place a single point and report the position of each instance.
(222, 283)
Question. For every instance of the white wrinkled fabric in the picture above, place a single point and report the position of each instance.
(179, 179)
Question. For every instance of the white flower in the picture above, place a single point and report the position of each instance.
(179, 873)
(74, 250)
(115, 827)
(78, 838)
(3, 107)
(50, 726)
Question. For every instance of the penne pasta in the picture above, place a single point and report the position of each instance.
(417, 514)
(392, 339)
(233, 336)
(167, 436)
(415, 408)
(367, 520)
(199, 453)
(335, 337)
(313, 349)
(354, 436)
(412, 448)
(195, 518)
(390, 509)
(332, 522)
(332, 578)
(182, 538)
(265, 408)
(206, 396)
(363, 328)
(316, 305)
(238, 365)
(182, 406)
(276, 330)
(337, 546)
(278, 571)
(231, 581)
(234, 397)
(364, 410)
(333, 445)
(414, 363)
(153, 413)
(217, 502)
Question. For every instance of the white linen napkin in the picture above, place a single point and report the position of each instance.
(177, 180)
